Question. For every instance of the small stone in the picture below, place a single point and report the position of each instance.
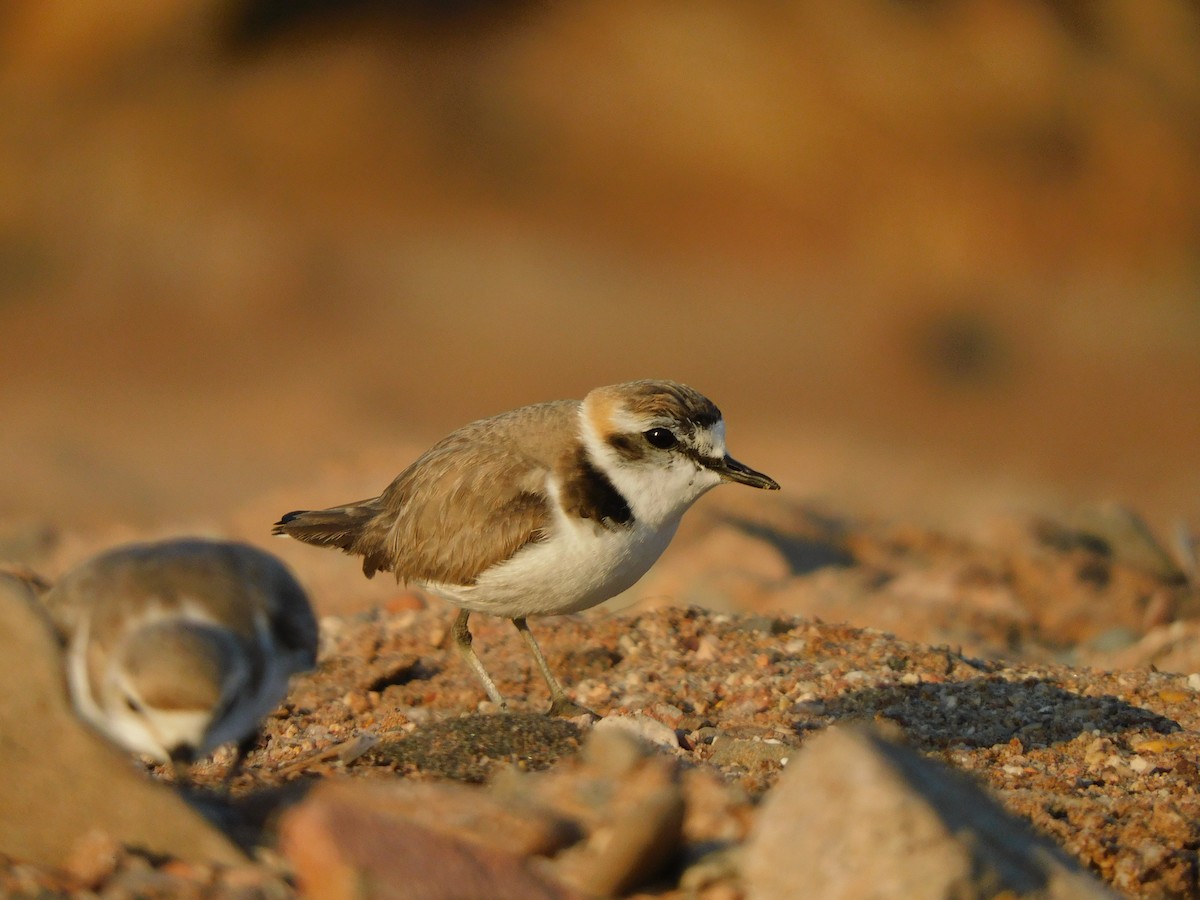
(145, 882)
(708, 648)
(1162, 744)
(706, 734)
(668, 714)
(641, 726)
(93, 858)
(614, 752)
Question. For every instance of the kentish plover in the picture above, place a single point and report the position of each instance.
(177, 647)
(543, 510)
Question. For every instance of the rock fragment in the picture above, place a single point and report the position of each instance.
(350, 839)
(857, 815)
(642, 727)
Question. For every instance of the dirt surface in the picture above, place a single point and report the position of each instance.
(1102, 761)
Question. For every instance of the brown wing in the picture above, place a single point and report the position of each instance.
(474, 499)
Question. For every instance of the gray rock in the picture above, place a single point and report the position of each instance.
(857, 815)
(642, 727)
(615, 751)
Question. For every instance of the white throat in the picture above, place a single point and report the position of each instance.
(658, 492)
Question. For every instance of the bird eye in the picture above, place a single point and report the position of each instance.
(662, 438)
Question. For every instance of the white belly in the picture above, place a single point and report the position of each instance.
(580, 566)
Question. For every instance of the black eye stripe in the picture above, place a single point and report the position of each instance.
(628, 446)
(707, 462)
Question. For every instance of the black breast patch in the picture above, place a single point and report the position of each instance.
(589, 494)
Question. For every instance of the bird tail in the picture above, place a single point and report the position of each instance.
(342, 527)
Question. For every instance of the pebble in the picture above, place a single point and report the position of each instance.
(708, 648)
(641, 726)
(614, 752)
(668, 714)
(93, 858)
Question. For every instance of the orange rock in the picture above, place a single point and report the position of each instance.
(412, 840)
(93, 858)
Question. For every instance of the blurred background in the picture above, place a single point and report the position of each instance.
(929, 257)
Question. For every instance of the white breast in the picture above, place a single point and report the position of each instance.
(580, 565)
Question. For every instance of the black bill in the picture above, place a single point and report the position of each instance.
(732, 470)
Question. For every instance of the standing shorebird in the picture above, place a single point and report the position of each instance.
(543, 510)
(175, 648)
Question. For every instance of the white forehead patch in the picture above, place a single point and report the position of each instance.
(711, 441)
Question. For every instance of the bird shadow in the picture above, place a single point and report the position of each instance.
(406, 672)
(816, 541)
(986, 712)
(250, 819)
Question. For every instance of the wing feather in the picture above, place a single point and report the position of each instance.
(473, 499)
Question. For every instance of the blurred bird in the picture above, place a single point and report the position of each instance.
(175, 648)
